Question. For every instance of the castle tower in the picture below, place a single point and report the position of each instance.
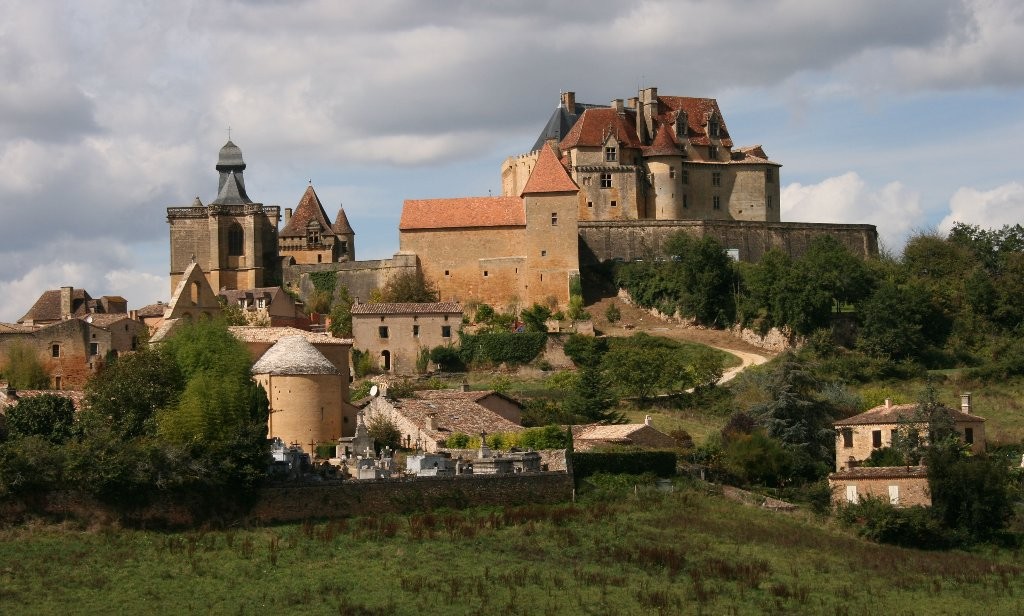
(346, 235)
(309, 236)
(664, 160)
(234, 240)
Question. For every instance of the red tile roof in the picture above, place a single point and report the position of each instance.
(895, 413)
(698, 111)
(341, 226)
(664, 143)
(549, 175)
(408, 308)
(464, 212)
(47, 307)
(594, 126)
(308, 210)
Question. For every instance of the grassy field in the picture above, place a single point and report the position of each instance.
(624, 551)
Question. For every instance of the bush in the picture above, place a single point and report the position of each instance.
(363, 363)
(47, 416)
(659, 463)
(457, 440)
(447, 359)
(384, 431)
(913, 527)
(613, 314)
(502, 347)
(548, 437)
(422, 360)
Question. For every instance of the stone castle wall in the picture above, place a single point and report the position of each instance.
(360, 277)
(645, 239)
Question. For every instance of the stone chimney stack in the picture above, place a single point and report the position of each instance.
(649, 101)
(569, 101)
(888, 403)
(66, 294)
(430, 421)
(647, 420)
(618, 106)
(287, 215)
(631, 102)
(965, 403)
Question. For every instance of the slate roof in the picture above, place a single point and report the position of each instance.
(230, 156)
(233, 295)
(549, 175)
(444, 394)
(232, 192)
(894, 414)
(293, 355)
(559, 124)
(408, 308)
(464, 212)
(105, 320)
(308, 210)
(248, 333)
(47, 307)
(152, 310)
(452, 415)
(881, 472)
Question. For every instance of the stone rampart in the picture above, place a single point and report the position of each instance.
(645, 239)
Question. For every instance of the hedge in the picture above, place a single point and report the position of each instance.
(502, 347)
(661, 463)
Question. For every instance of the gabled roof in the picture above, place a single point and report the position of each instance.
(47, 307)
(233, 295)
(882, 472)
(614, 433)
(152, 310)
(664, 143)
(293, 355)
(408, 308)
(308, 210)
(596, 124)
(14, 328)
(341, 226)
(560, 123)
(452, 415)
(181, 300)
(106, 320)
(464, 212)
(895, 413)
(548, 175)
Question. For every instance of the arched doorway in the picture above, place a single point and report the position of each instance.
(385, 361)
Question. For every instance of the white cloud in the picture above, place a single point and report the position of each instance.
(1003, 205)
(894, 209)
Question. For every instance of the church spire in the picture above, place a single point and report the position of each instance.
(230, 165)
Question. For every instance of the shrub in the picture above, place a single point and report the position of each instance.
(422, 360)
(48, 416)
(457, 440)
(576, 311)
(548, 437)
(363, 363)
(502, 347)
(613, 314)
(484, 314)
(659, 463)
(384, 431)
(913, 527)
(447, 358)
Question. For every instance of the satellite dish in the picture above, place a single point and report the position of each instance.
(374, 390)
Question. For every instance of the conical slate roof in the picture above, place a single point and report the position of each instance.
(232, 192)
(293, 355)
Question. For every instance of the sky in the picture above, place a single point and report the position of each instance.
(905, 115)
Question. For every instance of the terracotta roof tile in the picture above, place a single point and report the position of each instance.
(247, 333)
(465, 212)
(453, 415)
(664, 143)
(47, 307)
(341, 225)
(594, 126)
(408, 308)
(308, 210)
(549, 175)
(152, 310)
(14, 328)
(881, 472)
(698, 111)
(105, 320)
(895, 413)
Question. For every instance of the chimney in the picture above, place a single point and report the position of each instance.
(569, 101)
(66, 294)
(631, 102)
(645, 121)
(965, 403)
(430, 421)
(888, 402)
(287, 215)
(647, 420)
(617, 106)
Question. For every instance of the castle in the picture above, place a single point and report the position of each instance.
(601, 183)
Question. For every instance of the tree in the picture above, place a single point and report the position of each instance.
(705, 277)
(47, 416)
(535, 318)
(642, 365)
(23, 369)
(591, 400)
(127, 394)
(900, 322)
(409, 286)
(585, 350)
(384, 431)
(231, 313)
(341, 315)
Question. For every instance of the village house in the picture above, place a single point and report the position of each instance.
(427, 424)
(72, 334)
(395, 334)
(587, 437)
(859, 436)
(267, 306)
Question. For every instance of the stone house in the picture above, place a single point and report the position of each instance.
(644, 435)
(904, 486)
(270, 306)
(427, 424)
(305, 391)
(394, 334)
(72, 334)
(505, 251)
(494, 401)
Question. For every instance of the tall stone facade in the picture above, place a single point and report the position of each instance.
(233, 239)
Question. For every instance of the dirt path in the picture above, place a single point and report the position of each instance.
(636, 319)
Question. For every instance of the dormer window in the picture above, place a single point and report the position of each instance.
(610, 154)
(313, 234)
(681, 125)
(714, 128)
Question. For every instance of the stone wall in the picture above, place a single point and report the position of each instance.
(291, 503)
(644, 239)
(909, 491)
(360, 277)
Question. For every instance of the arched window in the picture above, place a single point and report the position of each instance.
(236, 240)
